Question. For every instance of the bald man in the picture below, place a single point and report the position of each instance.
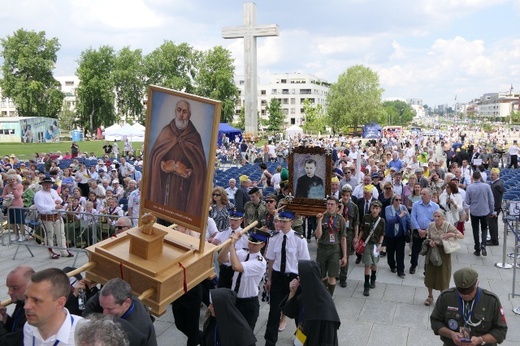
(16, 283)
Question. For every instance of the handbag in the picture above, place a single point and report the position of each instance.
(360, 248)
(7, 202)
(450, 245)
(408, 236)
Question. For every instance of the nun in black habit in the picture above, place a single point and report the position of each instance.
(226, 326)
(311, 305)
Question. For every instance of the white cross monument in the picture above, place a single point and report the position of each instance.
(250, 31)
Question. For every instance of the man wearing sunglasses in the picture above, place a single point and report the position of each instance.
(123, 224)
(468, 314)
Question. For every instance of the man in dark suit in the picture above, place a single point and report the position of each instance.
(497, 188)
(364, 208)
(16, 283)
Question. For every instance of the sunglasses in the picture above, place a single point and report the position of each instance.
(397, 199)
(270, 201)
(216, 194)
(121, 227)
(388, 188)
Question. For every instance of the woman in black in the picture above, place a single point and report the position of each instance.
(226, 326)
(311, 305)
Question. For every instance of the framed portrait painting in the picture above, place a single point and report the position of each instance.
(181, 137)
(309, 175)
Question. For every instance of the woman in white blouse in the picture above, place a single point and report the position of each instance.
(451, 201)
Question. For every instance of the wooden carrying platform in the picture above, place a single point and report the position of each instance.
(162, 264)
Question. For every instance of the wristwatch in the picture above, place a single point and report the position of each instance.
(483, 342)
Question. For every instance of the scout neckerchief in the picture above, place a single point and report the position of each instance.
(467, 309)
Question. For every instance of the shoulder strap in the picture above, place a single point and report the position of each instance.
(373, 228)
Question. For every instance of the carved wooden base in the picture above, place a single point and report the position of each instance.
(167, 261)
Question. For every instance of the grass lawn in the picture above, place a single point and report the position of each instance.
(25, 151)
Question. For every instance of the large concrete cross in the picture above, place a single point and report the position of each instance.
(250, 31)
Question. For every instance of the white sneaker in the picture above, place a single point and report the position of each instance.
(21, 238)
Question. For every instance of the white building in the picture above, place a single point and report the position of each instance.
(68, 87)
(291, 89)
(495, 105)
(7, 108)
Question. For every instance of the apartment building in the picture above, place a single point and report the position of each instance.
(291, 89)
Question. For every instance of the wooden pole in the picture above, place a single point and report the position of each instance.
(221, 245)
(86, 266)
(148, 293)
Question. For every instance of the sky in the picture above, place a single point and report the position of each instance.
(434, 50)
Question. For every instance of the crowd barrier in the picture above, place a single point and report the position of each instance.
(81, 229)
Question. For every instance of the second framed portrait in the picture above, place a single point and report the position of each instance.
(309, 175)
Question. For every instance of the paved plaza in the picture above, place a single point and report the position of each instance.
(394, 314)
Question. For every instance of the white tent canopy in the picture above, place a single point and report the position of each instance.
(293, 131)
(134, 133)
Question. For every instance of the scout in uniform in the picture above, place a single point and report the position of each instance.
(350, 212)
(372, 233)
(468, 314)
(332, 243)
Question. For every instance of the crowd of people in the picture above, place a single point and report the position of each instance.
(76, 204)
(386, 196)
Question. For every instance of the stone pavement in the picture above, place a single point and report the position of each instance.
(394, 314)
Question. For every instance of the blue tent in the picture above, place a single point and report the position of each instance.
(230, 132)
(372, 131)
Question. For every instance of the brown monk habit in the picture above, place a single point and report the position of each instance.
(170, 189)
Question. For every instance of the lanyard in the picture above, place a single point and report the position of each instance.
(57, 341)
(467, 313)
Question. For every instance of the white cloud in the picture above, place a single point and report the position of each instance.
(115, 14)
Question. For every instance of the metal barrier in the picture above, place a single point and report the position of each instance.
(511, 222)
(80, 230)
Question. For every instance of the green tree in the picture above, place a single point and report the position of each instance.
(241, 122)
(172, 66)
(397, 113)
(275, 116)
(314, 117)
(128, 77)
(355, 99)
(214, 79)
(95, 92)
(29, 58)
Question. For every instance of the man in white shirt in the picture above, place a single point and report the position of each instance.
(48, 321)
(126, 168)
(231, 190)
(225, 271)
(48, 202)
(249, 268)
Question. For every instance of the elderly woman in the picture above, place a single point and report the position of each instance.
(13, 191)
(438, 278)
(451, 202)
(396, 225)
(219, 208)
